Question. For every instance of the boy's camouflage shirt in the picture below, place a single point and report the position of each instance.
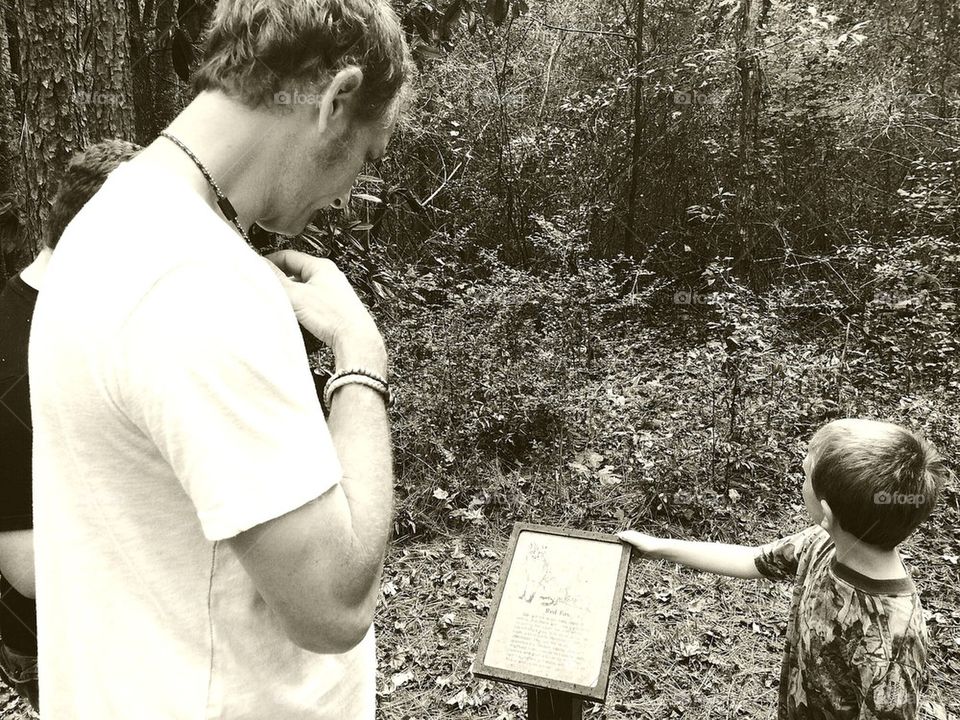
(856, 647)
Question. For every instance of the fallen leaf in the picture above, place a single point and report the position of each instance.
(607, 476)
(935, 709)
(593, 459)
(399, 679)
(460, 699)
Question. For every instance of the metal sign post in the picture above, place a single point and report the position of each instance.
(553, 705)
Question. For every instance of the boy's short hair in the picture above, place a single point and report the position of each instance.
(260, 50)
(84, 175)
(880, 480)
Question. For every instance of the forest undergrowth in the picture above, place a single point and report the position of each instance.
(588, 402)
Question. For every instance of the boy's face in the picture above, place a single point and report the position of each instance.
(809, 497)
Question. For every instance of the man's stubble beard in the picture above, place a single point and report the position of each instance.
(331, 154)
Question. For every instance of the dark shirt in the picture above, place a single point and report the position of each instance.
(16, 436)
(18, 614)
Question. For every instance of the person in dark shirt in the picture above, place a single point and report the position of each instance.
(84, 175)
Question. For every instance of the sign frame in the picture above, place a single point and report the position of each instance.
(595, 693)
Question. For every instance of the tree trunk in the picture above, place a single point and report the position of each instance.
(12, 251)
(546, 78)
(49, 40)
(106, 73)
(166, 85)
(748, 67)
(138, 42)
(192, 17)
(76, 90)
(630, 239)
(9, 137)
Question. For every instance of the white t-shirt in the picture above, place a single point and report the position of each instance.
(172, 408)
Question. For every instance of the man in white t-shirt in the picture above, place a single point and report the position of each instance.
(207, 545)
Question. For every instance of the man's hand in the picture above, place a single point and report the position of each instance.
(329, 309)
(646, 544)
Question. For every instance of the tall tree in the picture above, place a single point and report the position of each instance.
(139, 23)
(74, 62)
(637, 144)
(106, 79)
(10, 183)
(752, 14)
(8, 139)
(49, 40)
(165, 85)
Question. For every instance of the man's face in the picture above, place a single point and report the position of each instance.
(322, 168)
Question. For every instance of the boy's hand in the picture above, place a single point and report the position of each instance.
(646, 544)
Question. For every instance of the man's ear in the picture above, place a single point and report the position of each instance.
(334, 101)
(827, 522)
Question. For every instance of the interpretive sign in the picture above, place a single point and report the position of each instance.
(556, 610)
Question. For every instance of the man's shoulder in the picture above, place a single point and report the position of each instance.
(135, 236)
(150, 211)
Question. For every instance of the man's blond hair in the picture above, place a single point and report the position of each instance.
(256, 50)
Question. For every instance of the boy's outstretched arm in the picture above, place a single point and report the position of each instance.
(720, 558)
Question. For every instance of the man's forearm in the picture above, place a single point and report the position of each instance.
(719, 558)
(361, 435)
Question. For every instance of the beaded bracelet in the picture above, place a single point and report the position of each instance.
(357, 376)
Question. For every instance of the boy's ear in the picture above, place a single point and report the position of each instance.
(827, 521)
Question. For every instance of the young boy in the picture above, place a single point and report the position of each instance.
(856, 639)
